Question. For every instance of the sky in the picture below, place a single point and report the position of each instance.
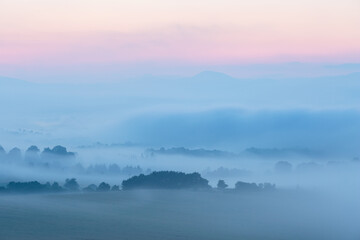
(189, 73)
(42, 39)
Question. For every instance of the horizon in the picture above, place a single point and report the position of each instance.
(287, 70)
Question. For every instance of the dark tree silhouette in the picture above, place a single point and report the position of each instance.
(26, 187)
(166, 180)
(56, 152)
(47, 150)
(103, 187)
(244, 186)
(55, 187)
(252, 187)
(221, 184)
(115, 188)
(32, 187)
(32, 153)
(90, 188)
(71, 185)
(33, 149)
(15, 154)
(60, 150)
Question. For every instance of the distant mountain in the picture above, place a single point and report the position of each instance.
(211, 76)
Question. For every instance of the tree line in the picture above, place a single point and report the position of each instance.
(33, 153)
(154, 180)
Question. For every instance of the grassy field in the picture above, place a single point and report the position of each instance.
(174, 215)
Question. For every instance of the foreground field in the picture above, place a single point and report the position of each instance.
(177, 215)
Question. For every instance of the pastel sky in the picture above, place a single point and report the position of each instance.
(59, 34)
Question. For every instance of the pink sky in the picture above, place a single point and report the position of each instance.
(77, 32)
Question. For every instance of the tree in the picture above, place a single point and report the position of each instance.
(60, 150)
(32, 153)
(33, 149)
(15, 154)
(244, 186)
(90, 188)
(71, 184)
(115, 188)
(221, 184)
(55, 187)
(2, 153)
(114, 169)
(283, 167)
(131, 171)
(56, 153)
(2, 150)
(32, 187)
(166, 180)
(253, 187)
(103, 187)
(267, 186)
(26, 187)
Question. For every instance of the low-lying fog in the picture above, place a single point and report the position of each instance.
(287, 168)
(301, 134)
